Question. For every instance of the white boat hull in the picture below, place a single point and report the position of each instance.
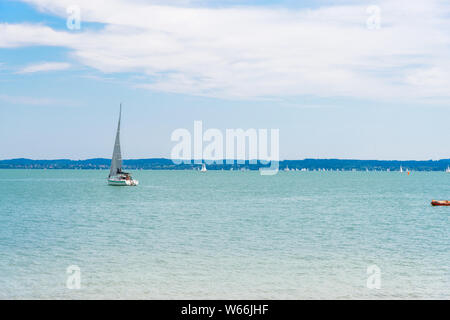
(124, 183)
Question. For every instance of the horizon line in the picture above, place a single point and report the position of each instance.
(219, 160)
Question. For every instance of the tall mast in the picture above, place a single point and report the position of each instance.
(116, 161)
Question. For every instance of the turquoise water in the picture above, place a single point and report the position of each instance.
(230, 235)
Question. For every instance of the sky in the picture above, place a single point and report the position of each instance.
(339, 79)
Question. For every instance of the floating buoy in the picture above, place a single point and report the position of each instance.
(440, 203)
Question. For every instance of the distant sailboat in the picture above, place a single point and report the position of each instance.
(448, 169)
(401, 169)
(116, 176)
(203, 168)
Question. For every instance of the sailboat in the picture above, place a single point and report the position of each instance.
(448, 169)
(401, 169)
(116, 176)
(203, 168)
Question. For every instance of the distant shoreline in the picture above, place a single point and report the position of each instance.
(167, 164)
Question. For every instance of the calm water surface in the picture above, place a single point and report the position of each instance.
(230, 235)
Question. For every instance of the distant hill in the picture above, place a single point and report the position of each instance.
(167, 164)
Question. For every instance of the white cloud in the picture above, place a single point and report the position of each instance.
(248, 52)
(45, 66)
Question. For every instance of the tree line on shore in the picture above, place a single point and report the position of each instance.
(168, 164)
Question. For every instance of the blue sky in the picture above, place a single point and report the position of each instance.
(333, 86)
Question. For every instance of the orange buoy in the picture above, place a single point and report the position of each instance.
(440, 203)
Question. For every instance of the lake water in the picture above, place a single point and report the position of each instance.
(230, 235)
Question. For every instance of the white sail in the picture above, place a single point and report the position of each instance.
(116, 161)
